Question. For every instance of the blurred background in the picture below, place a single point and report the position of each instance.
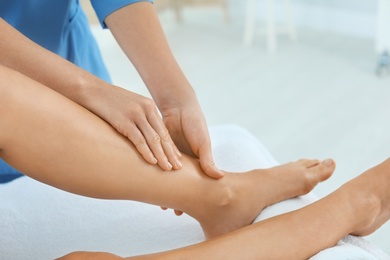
(310, 79)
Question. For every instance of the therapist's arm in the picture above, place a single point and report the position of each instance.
(132, 115)
(138, 31)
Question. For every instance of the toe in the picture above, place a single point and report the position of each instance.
(317, 174)
(308, 163)
(323, 170)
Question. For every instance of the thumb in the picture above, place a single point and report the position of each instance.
(207, 163)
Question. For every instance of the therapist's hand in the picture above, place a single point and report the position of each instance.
(187, 126)
(136, 117)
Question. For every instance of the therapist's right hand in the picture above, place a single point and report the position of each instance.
(137, 118)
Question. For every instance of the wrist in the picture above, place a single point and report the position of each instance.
(167, 98)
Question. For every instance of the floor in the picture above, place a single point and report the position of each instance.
(316, 98)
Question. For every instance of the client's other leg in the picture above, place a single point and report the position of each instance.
(359, 207)
(56, 141)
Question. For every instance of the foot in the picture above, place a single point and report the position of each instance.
(249, 193)
(370, 195)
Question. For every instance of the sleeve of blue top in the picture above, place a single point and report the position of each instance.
(104, 8)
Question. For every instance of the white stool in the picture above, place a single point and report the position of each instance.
(270, 30)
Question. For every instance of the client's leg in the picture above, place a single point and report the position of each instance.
(54, 140)
(359, 207)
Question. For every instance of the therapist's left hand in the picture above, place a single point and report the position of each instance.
(187, 125)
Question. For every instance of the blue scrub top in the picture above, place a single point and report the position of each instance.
(61, 27)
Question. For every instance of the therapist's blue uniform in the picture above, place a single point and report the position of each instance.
(61, 27)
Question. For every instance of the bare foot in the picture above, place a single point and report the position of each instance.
(370, 194)
(251, 192)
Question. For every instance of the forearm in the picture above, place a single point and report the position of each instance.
(21, 54)
(138, 31)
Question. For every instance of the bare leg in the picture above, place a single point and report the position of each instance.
(359, 207)
(55, 141)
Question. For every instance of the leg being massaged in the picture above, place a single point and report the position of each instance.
(82, 154)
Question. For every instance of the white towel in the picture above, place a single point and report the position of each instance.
(41, 222)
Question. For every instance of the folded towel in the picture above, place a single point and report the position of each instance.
(42, 222)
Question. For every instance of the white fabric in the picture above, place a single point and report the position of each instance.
(41, 222)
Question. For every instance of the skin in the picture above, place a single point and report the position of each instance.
(359, 207)
(86, 156)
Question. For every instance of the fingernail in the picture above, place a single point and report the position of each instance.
(327, 162)
(178, 164)
(154, 160)
(169, 165)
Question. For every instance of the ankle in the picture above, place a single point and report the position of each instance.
(219, 195)
(223, 193)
